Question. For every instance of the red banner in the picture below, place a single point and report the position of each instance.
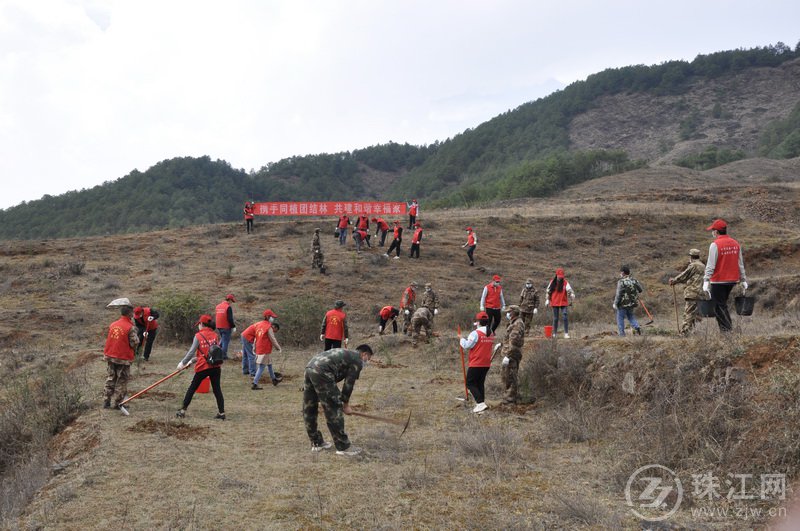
(329, 208)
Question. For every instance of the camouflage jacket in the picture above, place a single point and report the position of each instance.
(692, 276)
(315, 242)
(338, 364)
(528, 299)
(430, 300)
(422, 314)
(628, 290)
(514, 338)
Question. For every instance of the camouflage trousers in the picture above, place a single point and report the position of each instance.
(416, 326)
(690, 316)
(318, 389)
(510, 376)
(117, 376)
(317, 260)
(407, 318)
(527, 317)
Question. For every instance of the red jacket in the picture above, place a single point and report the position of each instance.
(263, 345)
(205, 338)
(221, 315)
(481, 354)
(117, 343)
(248, 212)
(386, 312)
(727, 268)
(471, 239)
(417, 236)
(334, 324)
(408, 297)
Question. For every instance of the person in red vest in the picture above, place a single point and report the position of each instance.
(360, 236)
(147, 327)
(381, 228)
(121, 342)
(408, 305)
(248, 216)
(559, 296)
(248, 338)
(415, 241)
(203, 339)
(223, 318)
(493, 301)
(264, 343)
(334, 327)
(479, 343)
(342, 227)
(398, 239)
(388, 313)
(363, 222)
(472, 242)
(724, 269)
(413, 211)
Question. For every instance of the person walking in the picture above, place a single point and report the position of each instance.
(381, 228)
(472, 242)
(724, 269)
(264, 344)
(322, 373)
(559, 296)
(413, 211)
(416, 239)
(422, 319)
(528, 303)
(334, 327)
(224, 322)
(342, 227)
(479, 344)
(146, 323)
(388, 313)
(626, 299)
(513, 341)
(118, 353)
(493, 301)
(408, 305)
(693, 292)
(202, 342)
(248, 215)
(396, 241)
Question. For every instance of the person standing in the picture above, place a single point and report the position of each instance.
(408, 305)
(264, 344)
(626, 299)
(146, 323)
(430, 300)
(224, 322)
(559, 296)
(342, 227)
(248, 216)
(415, 241)
(203, 340)
(479, 343)
(422, 319)
(513, 341)
(472, 242)
(118, 353)
(693, 293)
(317, 258)
(413, 211)
(397, 240)
(528, 303)
(322, 374)
(388, 313)
(493, 301)
(334, 327)
(362, 223)
(381, 228)
(724, 269)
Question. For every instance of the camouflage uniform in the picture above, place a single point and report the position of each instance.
(422, 318)
(528, 301)
(693, 293)
(322, 373)
(430, 301)
(118, 372)
(513, 341)
(317, 258)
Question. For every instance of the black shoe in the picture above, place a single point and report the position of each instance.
(255, 387)
(180, 414)
(275, 381)
(220, 416)
(107, 403)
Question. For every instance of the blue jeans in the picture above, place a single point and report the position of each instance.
(260, 371)
(622, 313)
(342, 236)
(563, 311)
(248, 358)
(224, 339)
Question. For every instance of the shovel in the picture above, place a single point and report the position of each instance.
(649, 315)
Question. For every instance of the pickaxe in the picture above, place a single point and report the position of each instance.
(649, 315)
(387, 420)
(143, 391)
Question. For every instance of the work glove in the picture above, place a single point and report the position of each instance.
(707, 287)
(150, 318)
(180, 365)
(145, 334)
(234, 329)
(406, 312)
(546, 303)
(322, 337)
(345, 343)
(671, 281)
(483, 309)
(505, 361)
(614, 305)
(744, 286)
(535, 311)
(436, 310)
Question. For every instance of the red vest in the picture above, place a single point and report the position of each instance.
(205, 338)
(363, 222)
(334, 324)
(412, 211)
(408, 297)
(559, 299)
(262, 345)
(382, 224)
(250, 333)
(221, 316)
(117, 343)
(481, 354)
(417, 236)
(343, 222)
(493, 296)
(727, 268)
(361, 234)
(386, 312)
(398, 230)
(147, 325)
(248, 212)
(471, 239)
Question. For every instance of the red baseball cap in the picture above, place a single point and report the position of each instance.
(481, 315)
(230, 297)
(469, 229)
(497, 278)
(269, 313)
(717, 225)
(374, 219)
(204, 320)
(560, 273)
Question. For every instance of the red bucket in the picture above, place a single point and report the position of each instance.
(548, 331)
(205, 385)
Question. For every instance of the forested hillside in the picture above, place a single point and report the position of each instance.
(715, 109)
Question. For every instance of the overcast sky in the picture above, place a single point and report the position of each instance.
(92, 89)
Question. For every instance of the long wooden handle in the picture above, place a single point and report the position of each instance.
(463, 366)
(162, 380)
(381, 419)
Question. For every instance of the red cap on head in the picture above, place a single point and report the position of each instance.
(374, 219)
(269, 313)
(204, 320)
(497, 278)
(717, 225)
(230, 297)
(560, 273)
(138, 311)
(481, 315)
(396, 221)
(469, 229)
(417, 225)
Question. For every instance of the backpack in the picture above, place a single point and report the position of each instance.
(215, 355)
(629, 293)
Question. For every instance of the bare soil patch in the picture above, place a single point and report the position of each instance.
(176, 429)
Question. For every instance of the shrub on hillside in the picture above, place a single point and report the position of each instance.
(300, 318)
(557, 370)
(179, 312)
